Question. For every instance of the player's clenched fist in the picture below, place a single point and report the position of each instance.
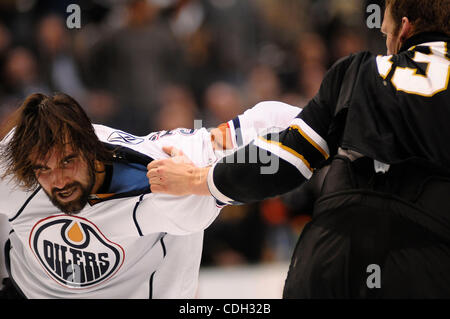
(177, 175)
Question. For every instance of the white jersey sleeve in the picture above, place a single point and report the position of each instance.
(263, 118)
(176, 215)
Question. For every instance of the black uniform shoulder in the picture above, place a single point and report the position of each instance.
(334, 94)
(344, 62)
(334, 78)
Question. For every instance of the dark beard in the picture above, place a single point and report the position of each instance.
(75, 206)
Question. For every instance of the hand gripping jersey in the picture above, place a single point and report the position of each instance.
(128, 246)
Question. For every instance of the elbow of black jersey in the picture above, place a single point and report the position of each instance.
(252, 174)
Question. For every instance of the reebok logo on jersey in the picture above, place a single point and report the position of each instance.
(122, 137)
(74, 252)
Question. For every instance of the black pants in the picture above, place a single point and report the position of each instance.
(375, 235)
(9, 291)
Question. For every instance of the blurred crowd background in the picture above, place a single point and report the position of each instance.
(149, 65)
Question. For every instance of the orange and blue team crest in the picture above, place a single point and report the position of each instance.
(74, 252)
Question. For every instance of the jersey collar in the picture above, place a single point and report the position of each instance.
(124, 155)
(424, 37)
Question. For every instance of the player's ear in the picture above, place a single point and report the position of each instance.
(406, 30)
(99, 167)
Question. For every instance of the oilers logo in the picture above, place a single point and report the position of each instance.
(74, 252)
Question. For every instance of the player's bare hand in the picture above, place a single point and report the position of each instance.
(176, 175)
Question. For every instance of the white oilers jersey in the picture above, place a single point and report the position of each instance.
(146, 246)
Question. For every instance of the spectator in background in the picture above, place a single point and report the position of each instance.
(62, 68)
(237, 30)
(310, 78)
(56, 60)
(222, 101)
(311, 48)
(5, 43)
(136, 63)
(5, 40)
(262, 84)
(285, 20)
(220, 40)
(178, 109)
(346, 41)
(21, 76)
